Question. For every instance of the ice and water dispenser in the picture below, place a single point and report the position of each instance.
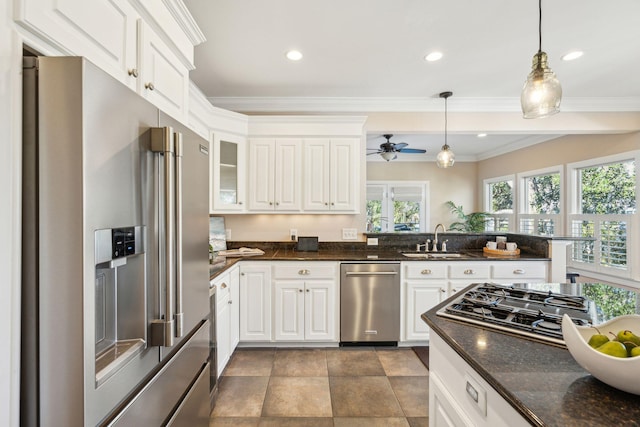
(120, 307)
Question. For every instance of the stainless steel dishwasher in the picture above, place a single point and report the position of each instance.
(370, 303)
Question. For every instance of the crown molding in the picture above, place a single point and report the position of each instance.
(185, 20)
(526, 141)
(414, 104)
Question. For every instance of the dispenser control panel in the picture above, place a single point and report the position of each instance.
(123, 242)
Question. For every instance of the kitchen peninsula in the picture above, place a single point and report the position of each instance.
(517, 381)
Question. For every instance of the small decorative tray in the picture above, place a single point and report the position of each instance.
(500, 252)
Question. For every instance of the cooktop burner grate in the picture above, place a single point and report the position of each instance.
(533, 313)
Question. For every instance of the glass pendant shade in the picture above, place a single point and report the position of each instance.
(445, 158)
(388, 155)
(542, 93)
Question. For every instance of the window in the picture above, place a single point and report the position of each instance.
(540, 201)
(604, 207)
(396, 206)
(499, 196)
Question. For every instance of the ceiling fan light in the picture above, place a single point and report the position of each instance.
(388, 155)
(542, 93)
(445, 158)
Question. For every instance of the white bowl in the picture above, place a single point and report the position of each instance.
(618, 372)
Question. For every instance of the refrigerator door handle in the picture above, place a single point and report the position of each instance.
(178, 234)
(162, 142)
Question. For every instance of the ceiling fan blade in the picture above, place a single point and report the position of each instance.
(375, 152)
(400, 145)
(412, 150)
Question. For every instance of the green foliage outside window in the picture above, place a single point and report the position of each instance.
(611, 302)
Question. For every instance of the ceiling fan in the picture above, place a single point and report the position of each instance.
(389, 149)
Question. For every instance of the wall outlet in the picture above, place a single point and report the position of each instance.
(294, 234)
(227, 233)
(372, 241)
(349, 234)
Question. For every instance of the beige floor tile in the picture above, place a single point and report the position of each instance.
(296, 422)
(418, 421)
(353, 362)
(297, 397)
(250, 363)
(413, 395)
(401, 362)
(300, 363)
(234, 422)
(369, 396)
(370, 422)
(240, 396)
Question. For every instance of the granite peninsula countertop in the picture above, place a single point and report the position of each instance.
(346, 255)
(542, 382)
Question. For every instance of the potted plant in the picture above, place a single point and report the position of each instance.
(473, 222)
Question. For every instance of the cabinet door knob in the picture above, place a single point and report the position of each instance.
(149, 86)
(230, 302)
(426, 271)
(469, 271)
(307, 290)
(133, 72)
(277, 203)
(270, 203)
(242, 274)
(442, 290)
(454, 290)
(326, 204)
(223, 286)
(300, 290)
(304, 272)
(518, 271)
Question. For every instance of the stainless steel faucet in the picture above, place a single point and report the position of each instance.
(435, 239)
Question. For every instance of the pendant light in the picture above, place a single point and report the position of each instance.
(445, 158)
(542, 92)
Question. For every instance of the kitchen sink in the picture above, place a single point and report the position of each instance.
(432, 254)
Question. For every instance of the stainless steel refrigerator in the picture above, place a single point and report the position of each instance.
(115, 260)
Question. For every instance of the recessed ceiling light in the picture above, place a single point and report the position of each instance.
(572, 55)
(433, 56)
(294, 55)
(481, 135)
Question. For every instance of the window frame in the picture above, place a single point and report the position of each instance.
(388, 185)
(498, 217)
(574, 212)
(522, 202)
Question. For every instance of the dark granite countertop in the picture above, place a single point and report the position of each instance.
(542, 382)
(345, 255)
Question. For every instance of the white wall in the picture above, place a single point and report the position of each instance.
(10, 155)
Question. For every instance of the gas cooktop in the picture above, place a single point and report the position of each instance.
(520, 310)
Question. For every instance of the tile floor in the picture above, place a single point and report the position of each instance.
(348, 386)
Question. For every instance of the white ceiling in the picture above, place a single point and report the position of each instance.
(367, 56)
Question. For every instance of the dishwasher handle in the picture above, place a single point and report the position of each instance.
(372, 273)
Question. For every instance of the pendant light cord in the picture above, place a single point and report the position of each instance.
(445, 122)
(539, 26)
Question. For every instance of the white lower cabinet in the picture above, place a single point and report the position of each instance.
(234, 308)
(223, 346)
(458, 396)
(255, 301)
(227, 316)
(427, 283)
(306, 301)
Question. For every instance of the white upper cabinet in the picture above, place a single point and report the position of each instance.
(147, 45)
(162, 79)
(274, 174)
(104, 31)
(331, 174)
(305, 164)
(228, 171)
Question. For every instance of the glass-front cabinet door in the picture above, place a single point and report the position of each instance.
(228, 173)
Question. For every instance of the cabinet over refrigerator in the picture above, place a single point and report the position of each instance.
(115, 263)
